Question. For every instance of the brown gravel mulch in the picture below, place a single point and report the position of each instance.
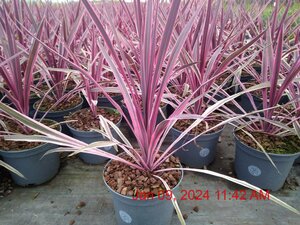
(182, 125)
(179, 93)
(64, 105)
(220, 80)
(111, 94)
(14, 127)
(271, 143)
(71, 84)
(129, 181)
(86, 120)
(109, 83)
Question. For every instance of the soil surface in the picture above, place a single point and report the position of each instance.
(109, 83)
(86, 120)
(182, 125)
(64, 105)
(178, 91)
(220, 80)
(14, 127)
(286, 110)
(111, 94)
(133, 182)
(71, 84)
(272, 144)
(42, 88)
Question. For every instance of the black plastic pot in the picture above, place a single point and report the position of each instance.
(284, 99)
(253, 166)
(245, 103)
(245, 78)
(147, 212)
(93, 136)
(170, 110)
(257, 68)
(198, 153)
(5, 99)
(104, 102)
(31, 163)
(59, 115)
(32, 101)
(218, 97)
(160, 117)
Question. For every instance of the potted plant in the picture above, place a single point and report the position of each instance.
(210, 56)
(142, 102)
(27, 157)
(145, 166)
(17, 65)
(17, 68)
(86, 119)
(251, 74)
(268, 144)
(60, 99)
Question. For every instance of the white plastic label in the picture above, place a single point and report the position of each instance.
(125, 217)
(204, 152)
(254, 170)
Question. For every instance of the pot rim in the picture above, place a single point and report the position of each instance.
(130, 197)
(36, 147)
(219, 131)
(258, 151)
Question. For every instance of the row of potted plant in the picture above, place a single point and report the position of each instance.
(150, 57)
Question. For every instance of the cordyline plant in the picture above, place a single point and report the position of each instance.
(92, 61)
(149, 135)
(58, 37)
(212, 49)
(279, 17)
(18, 63)
(20, 12)
(283, 78)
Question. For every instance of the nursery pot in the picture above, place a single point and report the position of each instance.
(253, 166)
(245, 103)
(93, 136)
(103, 101)
(59, 115)
(32, 163)
(257, 68)
(169, 110)
(160, 116)
(147, 212)
(5, 99)
(218, 97)
(32, 101)
(198, 153)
